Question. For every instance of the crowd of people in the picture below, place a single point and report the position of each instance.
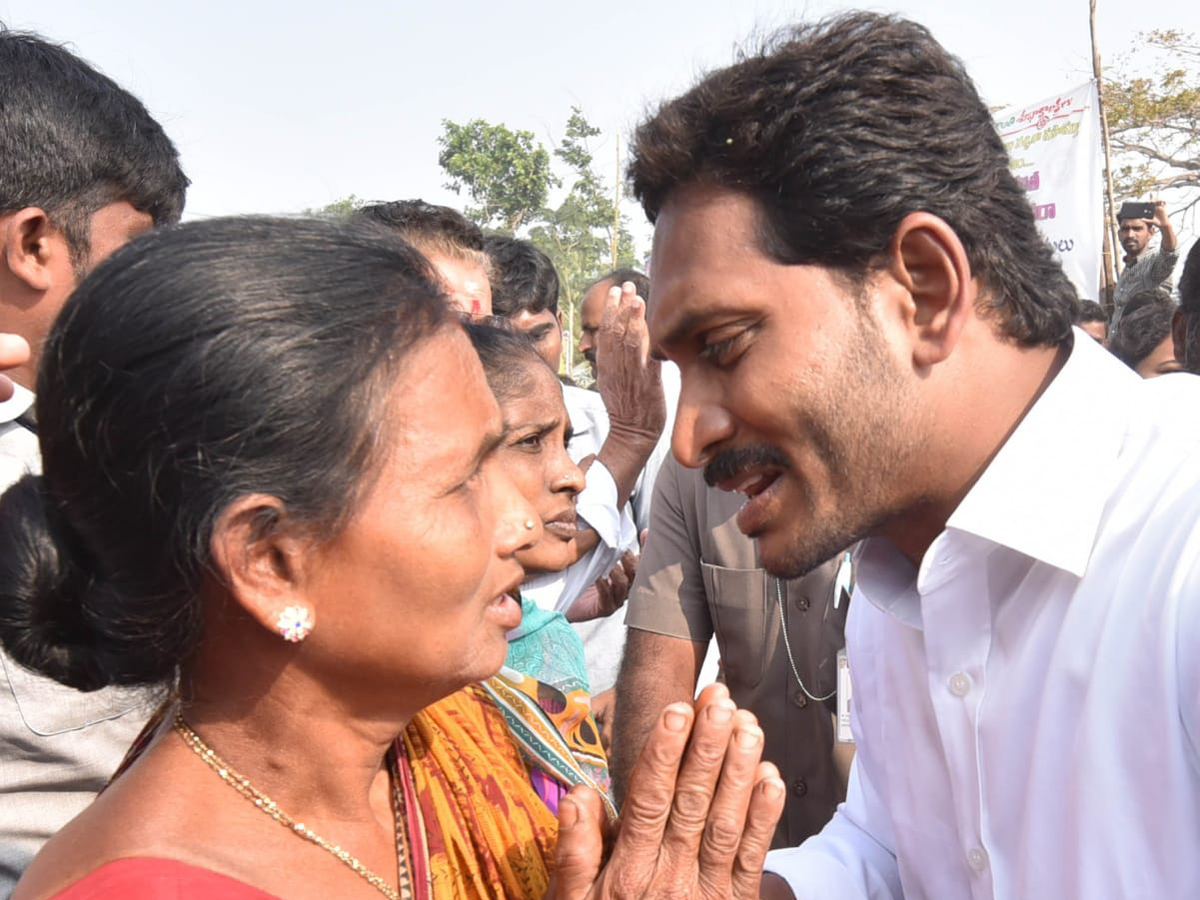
(318, 579)
(1146, 330)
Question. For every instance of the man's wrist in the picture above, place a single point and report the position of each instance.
(635, 435)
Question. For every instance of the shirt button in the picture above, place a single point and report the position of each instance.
(799, 787)
(802, 604)
(960, 684)
(977, 858)
(800, 699)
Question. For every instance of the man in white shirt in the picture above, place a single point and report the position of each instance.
(84, 168)
(876, 344)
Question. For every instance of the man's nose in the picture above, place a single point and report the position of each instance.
(700, 426)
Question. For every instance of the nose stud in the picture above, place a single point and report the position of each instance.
(529, 524)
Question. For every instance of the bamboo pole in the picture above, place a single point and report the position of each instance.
(616, 232)
(569, 337)
(1109, 271)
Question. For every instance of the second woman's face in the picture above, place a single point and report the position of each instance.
(535, 458)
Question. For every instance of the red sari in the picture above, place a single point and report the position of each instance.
(145, 878)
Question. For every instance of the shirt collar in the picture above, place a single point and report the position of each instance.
(20, 402)
(1045, 490)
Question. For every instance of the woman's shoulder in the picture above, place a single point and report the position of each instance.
(145, 878)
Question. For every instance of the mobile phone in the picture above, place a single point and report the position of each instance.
(1136, 211)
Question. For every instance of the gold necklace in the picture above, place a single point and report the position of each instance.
(242, 785)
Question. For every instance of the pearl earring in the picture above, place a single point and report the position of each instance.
(294, 623)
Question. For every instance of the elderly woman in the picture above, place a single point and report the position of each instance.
(271, 481)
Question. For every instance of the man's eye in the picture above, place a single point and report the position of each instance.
(723, 352)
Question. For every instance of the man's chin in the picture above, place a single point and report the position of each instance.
(792, 556)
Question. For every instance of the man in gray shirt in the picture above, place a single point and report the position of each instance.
(1145, 269)
(84, 168)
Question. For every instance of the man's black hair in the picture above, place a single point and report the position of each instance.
(619, 276)
(417, 218)
(1090, 311)
(1141, 331)
(1152, 297)
(523, 277)
(841, 129)
(1189, 308)
(72, 141)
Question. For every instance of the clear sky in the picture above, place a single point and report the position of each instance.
(280, 106)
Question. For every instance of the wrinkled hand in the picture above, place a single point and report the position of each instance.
(628, 379)
(613, 591)
(698, 817)
(14, 351)
(607, 594)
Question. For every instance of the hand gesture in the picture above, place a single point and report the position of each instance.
(698, 816)
(1160, 213)
(629, 381)
(607, 594)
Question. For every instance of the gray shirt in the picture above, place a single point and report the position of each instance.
(1148, 272)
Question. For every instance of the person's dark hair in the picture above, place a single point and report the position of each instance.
(1189, 281)
(198, 364)
(73, 141)
(432, 229)
(1141, 299)
(1090, 311)
(1141, 331)
(838, 131)
(506, 356)
(619, 276)
(523, 277)
(1189, 308)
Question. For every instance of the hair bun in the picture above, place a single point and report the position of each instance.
(42, 587)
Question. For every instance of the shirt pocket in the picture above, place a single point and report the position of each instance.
(740, 614)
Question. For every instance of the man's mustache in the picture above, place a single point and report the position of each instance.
(731, 463)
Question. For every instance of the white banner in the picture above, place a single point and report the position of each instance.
(1054, 148)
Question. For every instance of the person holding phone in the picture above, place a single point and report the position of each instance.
(1145, 269)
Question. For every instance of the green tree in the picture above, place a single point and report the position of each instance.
(1154, 119)
(508, 176)
(505, 173)
(579, 233)
(338, 209)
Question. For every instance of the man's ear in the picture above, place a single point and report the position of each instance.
(33, 248)
(260, 558)
(1179, 337)
(929, 262)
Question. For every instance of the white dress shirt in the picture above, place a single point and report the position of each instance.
(1026, 704)
(19, 453)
